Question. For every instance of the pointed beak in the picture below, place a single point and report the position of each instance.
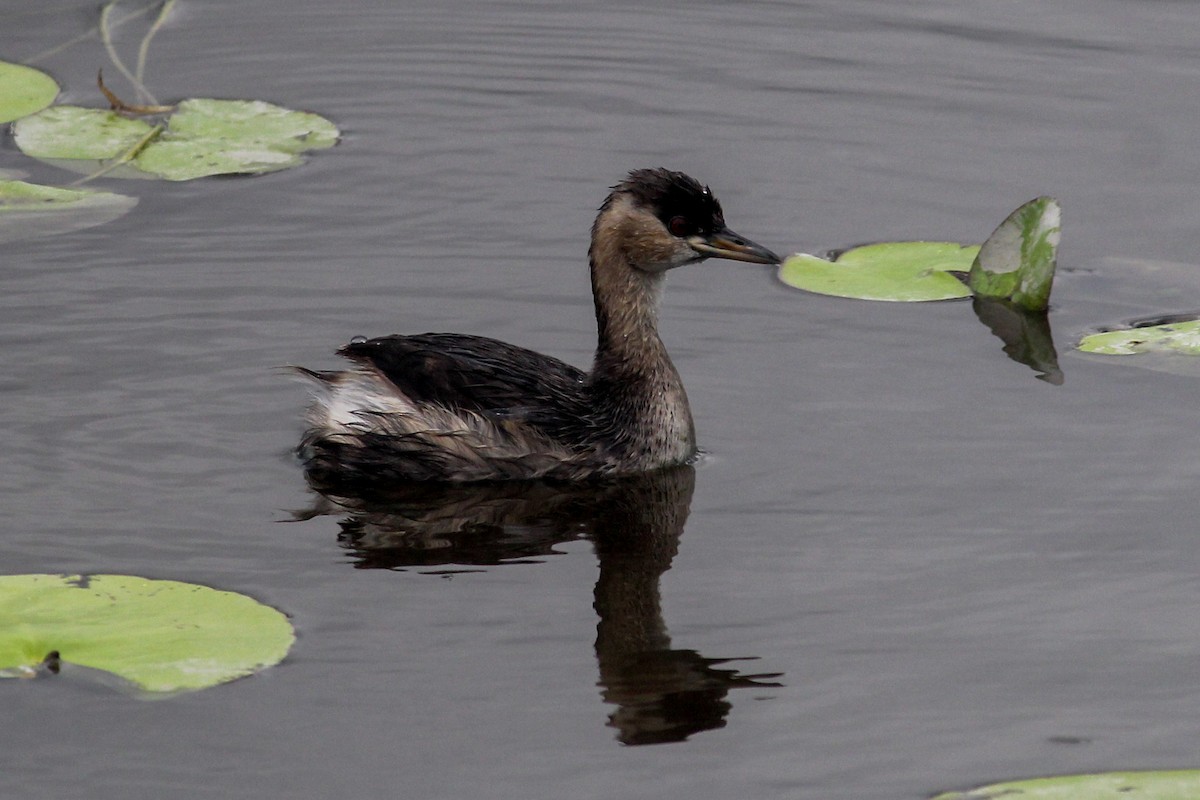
(724, 243)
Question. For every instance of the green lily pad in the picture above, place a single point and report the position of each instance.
(23, 91)
(219, 137)
(892, 271)
(71, 132)
(30, 209)
(163, 636)
(201, 138)
(1164, 785)
(253, 121)
(1015, 264)
(1018, 260)
(1182, 336)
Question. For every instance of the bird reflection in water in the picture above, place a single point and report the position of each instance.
(662, 694)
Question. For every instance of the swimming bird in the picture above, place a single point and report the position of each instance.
(456, 408)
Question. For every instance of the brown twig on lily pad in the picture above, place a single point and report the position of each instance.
(121, 107)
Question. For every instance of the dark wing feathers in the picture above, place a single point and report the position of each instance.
(471, 372)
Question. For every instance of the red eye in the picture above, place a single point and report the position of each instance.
(678, 226)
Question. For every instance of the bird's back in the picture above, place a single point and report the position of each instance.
(440, 406)
(473, 373)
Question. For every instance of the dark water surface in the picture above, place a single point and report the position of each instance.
(948, 571)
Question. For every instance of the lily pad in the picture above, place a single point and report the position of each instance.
(30, 209)
(71, 132)
(892, 271)
(1163, 785)
(162, 636)
(253, 121)
(201, 138)
(188, 159)
(1018, 260)
(218, 137)
(1015, 264)
(1182, 336)
(23, 91)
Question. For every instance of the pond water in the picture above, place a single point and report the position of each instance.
(905, 564)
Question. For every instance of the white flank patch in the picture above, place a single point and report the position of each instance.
(355, 393)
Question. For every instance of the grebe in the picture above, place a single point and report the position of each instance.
(456, 408)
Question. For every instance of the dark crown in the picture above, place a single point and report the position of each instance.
(669, 194)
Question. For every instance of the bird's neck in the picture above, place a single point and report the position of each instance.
(627, 301)
(633, 378)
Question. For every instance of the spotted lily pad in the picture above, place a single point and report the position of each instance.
(1164, 785)
(252, 121)
(30, 209)
(893, 271)
(1181, 336)
(71, 132)
(1018, 260)
(23, 91)
(159, 635)
(201, 138)
(218, 137)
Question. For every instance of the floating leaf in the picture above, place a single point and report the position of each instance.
(1182, 336)
(253, 121)
(218, 137)
(30, 209)
(1164, 785)
(1017, 261)
(1015, 264)
(202, 138)
(187, 159)
(23, 91)
(895, 271)
(163, 636)
(71, 132)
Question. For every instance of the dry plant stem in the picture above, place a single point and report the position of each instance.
(120, 106)
(125, 158)
(106, 37)
(144, 48)
(53, 51)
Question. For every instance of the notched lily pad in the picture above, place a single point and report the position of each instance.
(30, 209)
(23, 91)
(201, 138)
(1162, 785)
(1178, 334)
(891, 271)
(1018, 260)
(1016, 264)
(161, 636)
